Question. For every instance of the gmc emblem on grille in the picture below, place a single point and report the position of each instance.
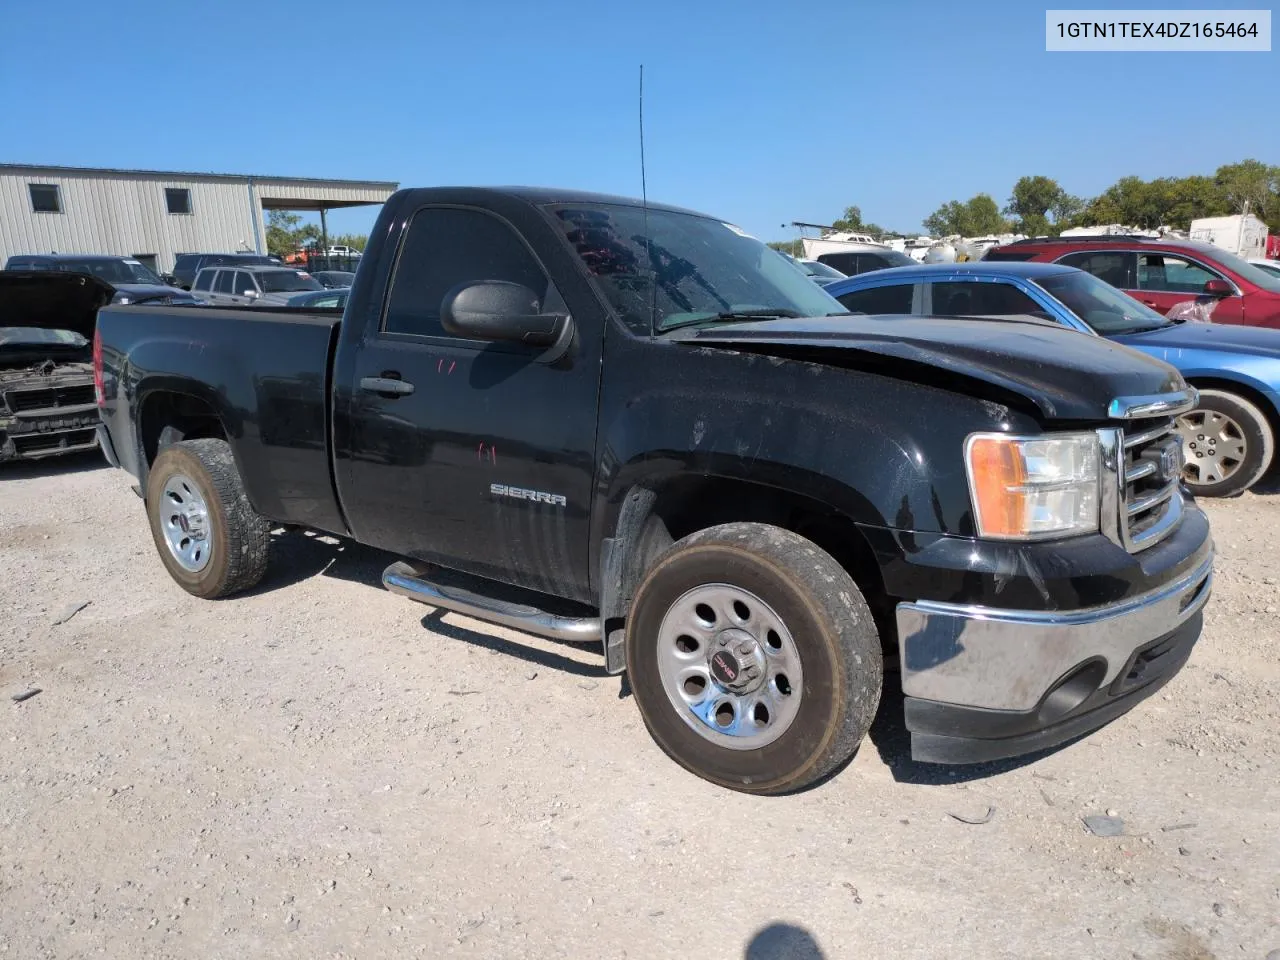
(1170, 463)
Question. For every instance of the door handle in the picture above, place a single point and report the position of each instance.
(387, 386)
(1149, 303)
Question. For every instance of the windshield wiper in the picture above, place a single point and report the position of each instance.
(767, 314)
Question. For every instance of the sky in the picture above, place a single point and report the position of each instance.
(761, 113)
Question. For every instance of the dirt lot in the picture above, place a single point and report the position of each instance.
(321, 769)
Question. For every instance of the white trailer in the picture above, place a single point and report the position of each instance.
(1243, 234)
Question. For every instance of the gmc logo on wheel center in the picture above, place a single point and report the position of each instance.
(520, 493)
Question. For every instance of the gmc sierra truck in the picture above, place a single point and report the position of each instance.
(679, 446)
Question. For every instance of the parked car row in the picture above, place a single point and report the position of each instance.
(1165, 275)
(245, 284)
(1228, 440)
(130, 279)
(187, 265)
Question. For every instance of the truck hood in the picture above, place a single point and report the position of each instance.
(49, 300)
(1061, 374)
(1208, 337)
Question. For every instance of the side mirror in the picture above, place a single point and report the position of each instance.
(1217, 287)
(251, 294)
(500, 310)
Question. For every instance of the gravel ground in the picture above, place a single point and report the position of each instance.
(319, 770)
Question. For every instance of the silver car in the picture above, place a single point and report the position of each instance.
(249, 284)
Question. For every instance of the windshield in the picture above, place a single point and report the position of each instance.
(701, 269)
(1250, 271)
(1271, 267)
(112, 271)
(1099, 304)
(288, 281)
(815, 269)
(12, 336)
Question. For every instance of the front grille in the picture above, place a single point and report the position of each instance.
(52, 398)
(1151, 469)
(28, 444)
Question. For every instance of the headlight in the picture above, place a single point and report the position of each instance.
(120, 298)
(1027, 488)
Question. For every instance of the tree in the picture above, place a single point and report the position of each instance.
(356, 241)
(792, 247)
(1250, 182)
(286, 232)
(852, 222)
(974, 217)
(1033, 199)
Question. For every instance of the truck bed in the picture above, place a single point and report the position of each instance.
(263, 371)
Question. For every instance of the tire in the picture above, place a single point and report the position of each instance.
(825, 631)
(1224, 421)
(194, 492)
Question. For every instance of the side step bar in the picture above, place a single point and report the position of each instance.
(403, 579)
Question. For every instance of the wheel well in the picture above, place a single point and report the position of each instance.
(691, 504)
(1247, 392)
(168, 417)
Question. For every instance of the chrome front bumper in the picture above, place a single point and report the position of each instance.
(1012, 660)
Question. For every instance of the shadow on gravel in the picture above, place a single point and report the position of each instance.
(298, 555)
(1270, 484)
(53, 466)
(891, 738)
(434, 621)
(783, 941)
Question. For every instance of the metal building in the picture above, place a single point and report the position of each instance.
(153, 216)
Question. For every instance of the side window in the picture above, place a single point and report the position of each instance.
(203, 281)
(978, 299)
(892, 298)
(1162, 271)
(447, 247)
(244, 281)
(225, 282)
(846, 263)
(1112, 266)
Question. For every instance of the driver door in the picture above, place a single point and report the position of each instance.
(471, 454)
(1165, 280)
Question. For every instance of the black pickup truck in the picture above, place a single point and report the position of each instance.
(682, 447)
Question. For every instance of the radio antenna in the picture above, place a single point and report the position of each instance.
(644, 201)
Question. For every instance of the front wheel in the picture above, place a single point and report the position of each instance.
(210, 539)
(754, 658)
(1227, 444)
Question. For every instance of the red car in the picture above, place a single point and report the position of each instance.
(1207, 281)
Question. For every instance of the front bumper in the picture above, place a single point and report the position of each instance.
(47, 414)
(984, 683)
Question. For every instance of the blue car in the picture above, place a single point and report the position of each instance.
(1227, 441)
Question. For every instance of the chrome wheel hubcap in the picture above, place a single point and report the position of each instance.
(1213, 446)
(729, 666)
(184, 518)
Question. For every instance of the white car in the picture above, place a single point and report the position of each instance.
(1270, 266)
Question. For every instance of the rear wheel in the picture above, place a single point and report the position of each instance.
(212, 542)
(753, 658)
(1227, 444)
